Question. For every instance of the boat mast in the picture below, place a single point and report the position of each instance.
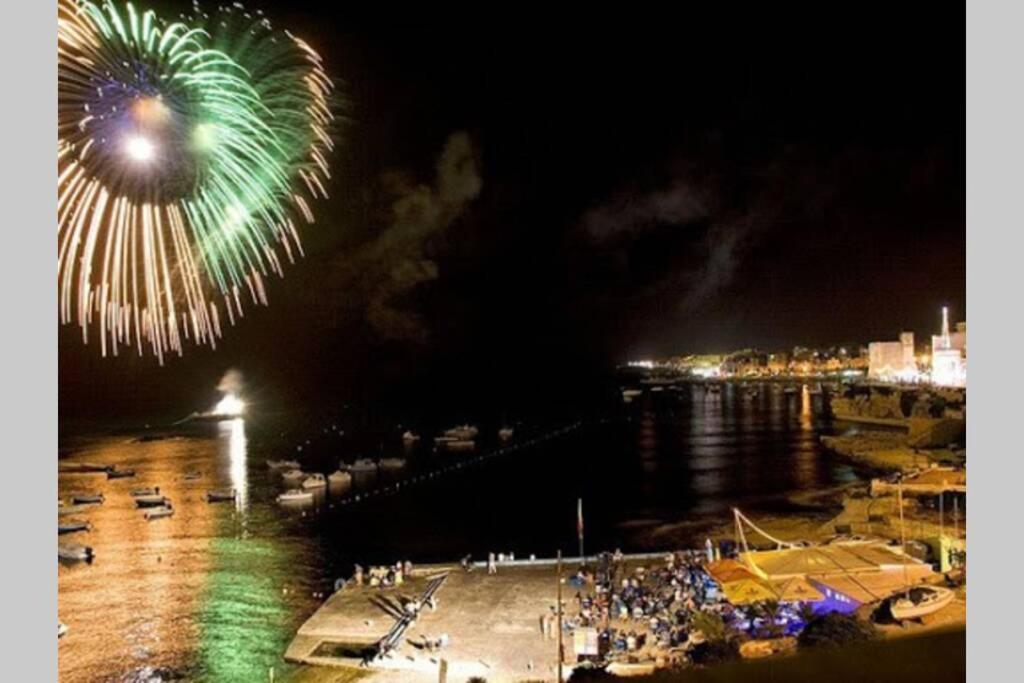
(903, 536)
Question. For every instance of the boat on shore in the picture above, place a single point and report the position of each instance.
(75, 551)
(62, 629)
(115, 473)
(82, 468)
(159, 512)
(919, 601)
(147, 491)
(295, 496)
(151, 500)
(72, 527)
(283, 465)
(460, 445)
(314, 481)
(222, 496)
(88, 499)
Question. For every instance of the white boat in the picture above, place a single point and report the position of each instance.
(462, 432)
(363, 466)
(221, 496)
(72, 527)
(919, 601)
(392, 463)
(295, 476)
(74, 551)
(460, 445)
(62, 629)
(410, 437)
(295, 496)
(159, 512)
(283, 465)
(314, 481)
(150, 501)
(340, 478)
(505, 433)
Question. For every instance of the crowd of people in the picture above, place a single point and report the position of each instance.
(382, 576)
(641, 607)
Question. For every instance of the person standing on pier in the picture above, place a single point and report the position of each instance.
(492, 567)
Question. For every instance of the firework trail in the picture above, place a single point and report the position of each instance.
(187, 154)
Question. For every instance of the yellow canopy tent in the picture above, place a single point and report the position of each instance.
(797, 589)
(747, 591)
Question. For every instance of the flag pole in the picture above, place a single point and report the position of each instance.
(559, 575)
(579, 528)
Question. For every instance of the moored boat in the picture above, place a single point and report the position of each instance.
(71, 527)
(62, 629)
(295, 496)
(283, 465)
(392, 463)
(410, 437)
(150, 500)
(505, 433)
(314, 481)
(147, 491)
(460, 445)
(363, 466)
(88, 499)
(462, 432)
(159, 512)
(120, 474)
(222, 496)
(74, 551)
(339, 478)
(294, 476)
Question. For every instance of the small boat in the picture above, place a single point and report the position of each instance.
(148, 491)
(283, 465)
(392, 463)
(295, 476)
(150, 501)
(462, 432)
(443, 440)
(82, 467)
(71, 527)
(460, 445)
(505, 433)
(223, 496)
(410, 437)
(88, 499)
(74, 551)
(340, 478)
(363, 466)
(295, 496)
(919, 601)
(192, 475)
(62, 629)
(314, 481)
(120, 474)
(159, 512)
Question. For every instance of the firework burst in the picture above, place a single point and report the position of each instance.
(187, 154)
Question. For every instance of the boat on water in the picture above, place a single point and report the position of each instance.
(120, 474)
(296, 476)
(460, 445)
(74, 551)
(295, 496)
(72, 527)
(283, 465)
(363, 466)
(339, 478)
(314, 481)
(88, 499)
(392, 463)
(148, 491)
(151, 500)
(462, 432)
(82, 467)
(919, 601)
(159, 512)
(222, 496)
(62, 629)
(410, 437)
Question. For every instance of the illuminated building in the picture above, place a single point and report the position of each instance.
(949, 354)
(893, 361)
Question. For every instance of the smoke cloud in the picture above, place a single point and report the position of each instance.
(232, 382)
(400, 259)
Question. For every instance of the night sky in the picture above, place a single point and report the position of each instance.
(520, 199)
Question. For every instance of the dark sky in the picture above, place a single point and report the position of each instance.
(520, 195)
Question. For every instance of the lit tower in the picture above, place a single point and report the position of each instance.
(945, 328)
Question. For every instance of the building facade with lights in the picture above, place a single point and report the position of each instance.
(949, 354)
(893, 361)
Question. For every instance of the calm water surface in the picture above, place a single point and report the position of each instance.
(215, 592)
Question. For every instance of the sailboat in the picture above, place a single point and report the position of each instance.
(919, 601)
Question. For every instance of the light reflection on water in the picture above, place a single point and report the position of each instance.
(216, 591)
